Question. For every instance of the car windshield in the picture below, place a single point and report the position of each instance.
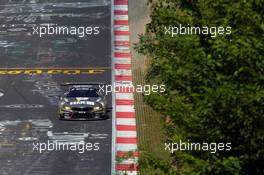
(82, 93)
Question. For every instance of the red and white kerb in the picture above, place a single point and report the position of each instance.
(126, 133)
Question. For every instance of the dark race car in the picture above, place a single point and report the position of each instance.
(82, 102)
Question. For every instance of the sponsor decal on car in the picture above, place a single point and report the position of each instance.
(82, 103)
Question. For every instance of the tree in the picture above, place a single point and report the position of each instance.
(215, 85)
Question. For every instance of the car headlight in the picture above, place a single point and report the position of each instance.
(66, 108)
(102, 103)
(97, 108)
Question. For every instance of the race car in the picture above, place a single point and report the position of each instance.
(82, 101)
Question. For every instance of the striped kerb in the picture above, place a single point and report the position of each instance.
(126, 131)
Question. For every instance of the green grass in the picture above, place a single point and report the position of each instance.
(149, 123)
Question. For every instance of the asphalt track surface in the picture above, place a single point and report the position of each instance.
(31, 70)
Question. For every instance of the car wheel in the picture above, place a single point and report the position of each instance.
(105, 117)
(61, 117)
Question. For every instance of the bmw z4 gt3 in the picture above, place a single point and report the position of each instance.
(82, 102)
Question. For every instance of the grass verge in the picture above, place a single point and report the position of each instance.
(149, 122)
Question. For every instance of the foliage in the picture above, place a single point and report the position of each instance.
(215, 86)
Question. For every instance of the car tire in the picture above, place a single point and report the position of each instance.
(61, 117)
(105, 117)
